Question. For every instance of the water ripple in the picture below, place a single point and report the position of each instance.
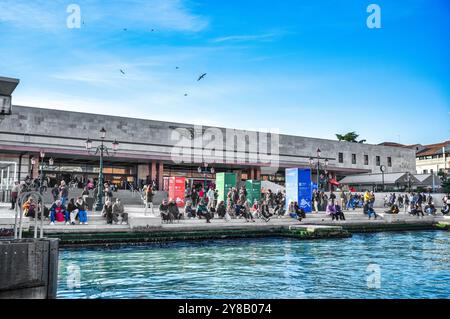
(412, 264)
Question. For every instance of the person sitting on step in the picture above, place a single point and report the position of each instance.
(202, 211)
(299, 211)
(189, 210)
(58, 212)
(119, 211)
(107, 212)
(446, 208)
(430, 209)
(339, 213)
(393, 209)
(73, 211)
(82, 210)
(174, 211)
(221, 209)
(29, 208)
(164, 211)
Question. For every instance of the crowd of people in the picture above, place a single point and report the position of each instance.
(203, 203)
(417, 204)
(69, 211)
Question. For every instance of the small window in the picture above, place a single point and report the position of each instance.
(389, 160)
(366, 159)
(341, 157)
(353, 158)
(377, 160)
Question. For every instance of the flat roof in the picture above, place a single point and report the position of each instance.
(8, 85)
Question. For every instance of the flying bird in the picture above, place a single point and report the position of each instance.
(201, 77)
(121, 71)
(185, 94)
(177, 67)
(125, 29)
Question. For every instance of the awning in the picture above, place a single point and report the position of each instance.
(379, 179)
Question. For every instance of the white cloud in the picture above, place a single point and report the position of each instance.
(166, 15)
(36, 14)
(245, 38)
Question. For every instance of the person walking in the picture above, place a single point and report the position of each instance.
(14, 194)
(63, 193)
(210, 195)
(149, 199)
(316, 200)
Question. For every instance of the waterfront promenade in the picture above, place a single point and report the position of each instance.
(146, 227)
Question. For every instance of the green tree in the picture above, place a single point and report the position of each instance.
(445, 181)
(349, 137)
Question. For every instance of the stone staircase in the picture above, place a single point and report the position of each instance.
(126, 196)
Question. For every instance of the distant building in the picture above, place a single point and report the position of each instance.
(431, 158)
(377, 181)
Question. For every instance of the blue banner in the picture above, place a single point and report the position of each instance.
(291, 186)
(304, 189)
(299, 188)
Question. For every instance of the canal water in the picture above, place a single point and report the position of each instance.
(381, 265)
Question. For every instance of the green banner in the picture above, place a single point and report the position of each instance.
(224, 182)
(253, 188)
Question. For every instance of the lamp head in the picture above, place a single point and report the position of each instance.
(88, 143)
(115, 145)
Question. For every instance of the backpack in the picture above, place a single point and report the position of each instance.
(60, 217)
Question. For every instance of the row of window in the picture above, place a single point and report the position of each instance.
(425, 171)
(366, 160)
(430, 157)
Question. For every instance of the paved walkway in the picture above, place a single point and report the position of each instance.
(137, 218)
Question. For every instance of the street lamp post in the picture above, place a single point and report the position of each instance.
(311, 161)
(408, 174)
(205, 171)
(382, 169)
(41, 168)
(102, 149)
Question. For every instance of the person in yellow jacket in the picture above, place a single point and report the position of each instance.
(29, 207)
(367, 197)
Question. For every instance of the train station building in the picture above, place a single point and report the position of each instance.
(154, 150)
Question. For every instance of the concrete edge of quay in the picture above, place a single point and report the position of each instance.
(160, 235)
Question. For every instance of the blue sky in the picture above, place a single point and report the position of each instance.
(309, 68)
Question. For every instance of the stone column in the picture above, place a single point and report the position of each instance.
(258, 173)
(153, 170)
(36, 166)
(252, 173)
(143, 172)
(161, 175)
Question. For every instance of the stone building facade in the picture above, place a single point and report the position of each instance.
(151, 149)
